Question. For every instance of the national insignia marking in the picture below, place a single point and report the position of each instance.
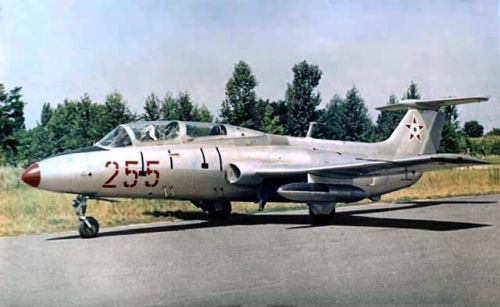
(415, 129)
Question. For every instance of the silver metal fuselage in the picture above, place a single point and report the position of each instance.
(197, 169)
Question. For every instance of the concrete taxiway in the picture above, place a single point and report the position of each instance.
(425, 252)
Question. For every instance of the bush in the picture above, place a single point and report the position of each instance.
(484, 146)
(10, 178)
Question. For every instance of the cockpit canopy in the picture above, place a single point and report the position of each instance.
(158, 132)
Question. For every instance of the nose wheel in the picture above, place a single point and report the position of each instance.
(89, 227)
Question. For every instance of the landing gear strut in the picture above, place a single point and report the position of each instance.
(89, 227)
(216, 210)
(321, 213)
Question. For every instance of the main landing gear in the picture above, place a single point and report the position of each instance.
(216, 210)
(321, 213)
(89, 227)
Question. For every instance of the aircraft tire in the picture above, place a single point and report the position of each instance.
(321, 219)
(219, 214)
(86, 232)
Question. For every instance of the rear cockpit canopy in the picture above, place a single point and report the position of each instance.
(146, 133)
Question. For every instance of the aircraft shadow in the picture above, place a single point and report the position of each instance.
(350, 218)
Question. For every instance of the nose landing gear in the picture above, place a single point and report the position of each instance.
(89, 227)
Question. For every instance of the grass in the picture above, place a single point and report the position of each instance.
(448, 183)
(24, 210)
(495, 159)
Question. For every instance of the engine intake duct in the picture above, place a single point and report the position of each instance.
(320, 192)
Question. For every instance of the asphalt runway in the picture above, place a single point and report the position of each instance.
(428, 252)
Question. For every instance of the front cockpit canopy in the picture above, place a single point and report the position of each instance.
(118, 137)
(152, 132)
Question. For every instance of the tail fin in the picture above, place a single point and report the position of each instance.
(419, 132)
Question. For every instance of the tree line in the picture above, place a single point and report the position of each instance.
(79, 123)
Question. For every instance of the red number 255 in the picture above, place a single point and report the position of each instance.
(132, 174)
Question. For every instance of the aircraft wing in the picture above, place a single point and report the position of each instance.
(247, 174)
(413, 164)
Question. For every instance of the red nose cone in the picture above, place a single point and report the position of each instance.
(31, 175)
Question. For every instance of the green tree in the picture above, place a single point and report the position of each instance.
(152, 108)
(240, 106)
(72, 125)
(281, 111)
(494, 131)
(46, 114)
(169, 107)
(412, 92)
(332, 120)
(201, 114)
(34, 145)
(185, 106)
(11, 118)
(88, 125)
(387, 121)
(270, 122)
(451, 135)
(114, 112)
(61, 127)
(473, 129)
(347, 119)
(75, 124)
(301, 100)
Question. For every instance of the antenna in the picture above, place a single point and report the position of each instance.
(310, 130)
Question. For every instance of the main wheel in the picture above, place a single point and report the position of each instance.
(221, 214)
(321, 219)
(87, 232)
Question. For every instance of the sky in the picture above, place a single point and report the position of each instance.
(63, 49)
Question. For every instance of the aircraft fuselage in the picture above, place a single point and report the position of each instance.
(197, 172)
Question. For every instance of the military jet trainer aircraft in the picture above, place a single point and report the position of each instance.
(212, 164)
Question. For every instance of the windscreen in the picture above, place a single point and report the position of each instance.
(118, 137)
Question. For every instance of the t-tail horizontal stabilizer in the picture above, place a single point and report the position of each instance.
(433, 104)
